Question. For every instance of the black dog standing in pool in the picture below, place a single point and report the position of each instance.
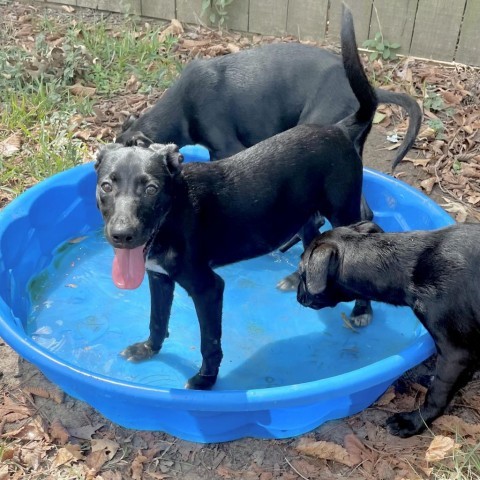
(436, 273)
(180, 221)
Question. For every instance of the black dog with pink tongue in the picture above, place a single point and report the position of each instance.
(179, 221)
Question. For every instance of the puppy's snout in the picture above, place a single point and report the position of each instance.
(122, 233)
(122, 236)
(302, 296)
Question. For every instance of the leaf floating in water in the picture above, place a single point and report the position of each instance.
(77, 239)
(347, 323)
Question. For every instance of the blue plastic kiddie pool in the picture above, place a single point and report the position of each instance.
(286, 369)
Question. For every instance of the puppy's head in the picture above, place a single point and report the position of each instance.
(321, 282)
(135, 188)
(318, 271)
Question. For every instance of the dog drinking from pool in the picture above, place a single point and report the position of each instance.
(436, 273)
(180, 221)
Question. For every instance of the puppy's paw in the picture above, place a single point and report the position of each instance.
(289, 283)
(405, 425)
(201, 382)
(138, 352)
(361, 320)
(362, 314)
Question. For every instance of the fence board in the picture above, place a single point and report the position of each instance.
(361, 11)
(189, 11)
(468, 50)
(437, 26)
(396, 21)
(64, 2)
(268, 17)
(122, 6)
(238, 15)
(158, 8)
(307, 19)
(87, 3)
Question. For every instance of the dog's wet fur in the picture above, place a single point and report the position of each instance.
(232, 102)
(436, 273)
(197, 216)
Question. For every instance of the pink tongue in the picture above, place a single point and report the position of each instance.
(128, 267)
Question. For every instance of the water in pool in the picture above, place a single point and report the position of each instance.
(268, 338)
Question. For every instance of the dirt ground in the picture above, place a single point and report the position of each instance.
(61, 437)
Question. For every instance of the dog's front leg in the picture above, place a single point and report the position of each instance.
(161, 294)
(453, 370)
(207, 294)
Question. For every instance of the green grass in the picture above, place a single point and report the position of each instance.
(36, 101)
(463, 465)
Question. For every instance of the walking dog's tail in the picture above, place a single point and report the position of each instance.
(358, 125)
(414, 119)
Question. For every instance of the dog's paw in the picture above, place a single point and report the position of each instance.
(362, 314)
(289, 283)
(201, 382)
(138, 352)
(361, 320)
(405, 425)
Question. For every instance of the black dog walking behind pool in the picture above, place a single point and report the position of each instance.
(436, 273)
(179, 221)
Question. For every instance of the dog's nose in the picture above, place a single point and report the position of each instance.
(121, 236)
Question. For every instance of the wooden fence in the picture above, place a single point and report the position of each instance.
(438, 29)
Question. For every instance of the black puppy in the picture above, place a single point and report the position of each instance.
(436, 273)
(233, 102)
(184, 220)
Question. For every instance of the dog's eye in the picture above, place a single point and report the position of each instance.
(106, 187)
(151, 190)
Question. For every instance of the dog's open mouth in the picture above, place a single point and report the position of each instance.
(128, 267)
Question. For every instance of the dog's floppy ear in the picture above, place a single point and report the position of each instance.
(367, 227)
(171, 155)
(103, 151)
(322, 261)
(128, 122)
(138, 139)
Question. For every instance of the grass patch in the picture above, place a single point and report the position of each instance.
(38, 106)
(463, 465)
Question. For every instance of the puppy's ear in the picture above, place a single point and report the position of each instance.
(367, 227)
(103, 151)
(138, 139)
(322, 262)
(172, 157)
(128, 122)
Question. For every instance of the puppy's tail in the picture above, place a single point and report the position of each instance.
(414, 119)
(358, 125)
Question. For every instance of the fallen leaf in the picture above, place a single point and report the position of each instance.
(378, 117)
(67, 455)
(232, 48)
(387, 397)
(456, 208)
(326, 451)
(454, 424)
(96, 460)
(59, 432)
(86, 432)
(428, 184)
(108, 446)
(10, 145)
(68, 8)
(174, 29)
(439, 448)
(80, 90)
(137, 467)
